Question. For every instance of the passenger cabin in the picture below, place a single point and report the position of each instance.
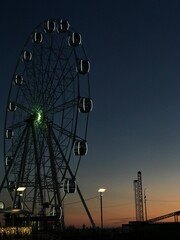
(55, 211)
(80, 148)
(49, 26)
(83, 66)
(63, 26)
(12, 106)
(9, 160)
(37, 37)
(26, 56)
(85, 105)
(9, 133)
(69, 186)
(18, 79)
(74, 39)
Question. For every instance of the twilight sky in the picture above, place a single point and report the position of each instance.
(134, 50)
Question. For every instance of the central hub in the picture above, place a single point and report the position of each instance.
(38, 116)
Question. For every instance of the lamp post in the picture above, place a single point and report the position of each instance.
(18, 205)
(145, 206)
(101, 191)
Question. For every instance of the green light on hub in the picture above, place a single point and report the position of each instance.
(38, 117)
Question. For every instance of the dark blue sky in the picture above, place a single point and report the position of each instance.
(134, 50)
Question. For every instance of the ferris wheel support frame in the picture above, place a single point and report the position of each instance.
(78, 190)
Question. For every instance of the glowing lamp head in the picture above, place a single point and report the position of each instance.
(21, 189)
(101, 190)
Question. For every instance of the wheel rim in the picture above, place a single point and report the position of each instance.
(47, 116)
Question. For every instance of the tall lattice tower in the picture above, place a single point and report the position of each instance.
(138, 198)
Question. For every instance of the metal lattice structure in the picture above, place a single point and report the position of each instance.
(138, 198)
(169, 215)
(46, 120)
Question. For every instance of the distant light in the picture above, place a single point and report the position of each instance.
(21, 189)
(2, 205)
(16, 210)
(101, 190)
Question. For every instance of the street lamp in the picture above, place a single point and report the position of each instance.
(19, 202)
(101, 191)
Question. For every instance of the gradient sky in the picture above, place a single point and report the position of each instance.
(134, 50)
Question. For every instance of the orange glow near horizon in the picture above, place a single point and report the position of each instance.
(115, 213)
(118, 203)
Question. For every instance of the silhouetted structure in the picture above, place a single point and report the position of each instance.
(173, 214)
(138, 198)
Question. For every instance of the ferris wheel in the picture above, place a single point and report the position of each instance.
(46, 119)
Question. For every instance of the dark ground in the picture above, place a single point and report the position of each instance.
(162, 231)
(131, 231)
